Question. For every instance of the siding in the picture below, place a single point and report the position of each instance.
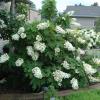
(33, 15)
(86, 22)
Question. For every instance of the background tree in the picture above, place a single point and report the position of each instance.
(22, 8)
(95, 4)
(13, 5)
(63, 19)
(49, 10)
(32, 5)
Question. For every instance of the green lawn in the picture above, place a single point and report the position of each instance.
(83, 95)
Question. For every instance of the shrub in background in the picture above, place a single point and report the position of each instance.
(97, 25)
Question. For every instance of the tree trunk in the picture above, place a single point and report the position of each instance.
(12, 8)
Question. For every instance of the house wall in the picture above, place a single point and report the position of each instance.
(33, 15)
(87, 22)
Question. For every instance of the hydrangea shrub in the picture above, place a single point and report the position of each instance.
(50, 54)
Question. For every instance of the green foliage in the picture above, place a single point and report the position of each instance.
(12, 24)
(97, 25)
(4, 16)
(47, 61)
(49, 10)
(22, 8)
(33, 6)
(50, 94)
(83, 95)
(64, 20)
(95, 4)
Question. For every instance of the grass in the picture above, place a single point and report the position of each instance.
(83, 95)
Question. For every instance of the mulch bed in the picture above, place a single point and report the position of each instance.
(39, 96)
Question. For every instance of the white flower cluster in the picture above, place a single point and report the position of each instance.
(63, 18)
(57, 50)
(29, 50)
(97, 39)
(74, 23)
(15, 37)
(74, 83)
(43, 26)
(88, 36)
(68, 30)
(32, 53)
(20, 17)
(65, 64)
(80, 51)
(96, 61)
(39, 46)
(19, 62)
(19, 34)
(89, 69)
(37, 73)
(21, 30)
(70, 13)
(78, 58)
(4, 58)
(2, 24)
(94, 79)
(80, 40)
(60, 75)
(38, 38)
(23, 35)
(77, 71)
(60, 30)
(2, 81)
(74, 19)
(69, 46)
